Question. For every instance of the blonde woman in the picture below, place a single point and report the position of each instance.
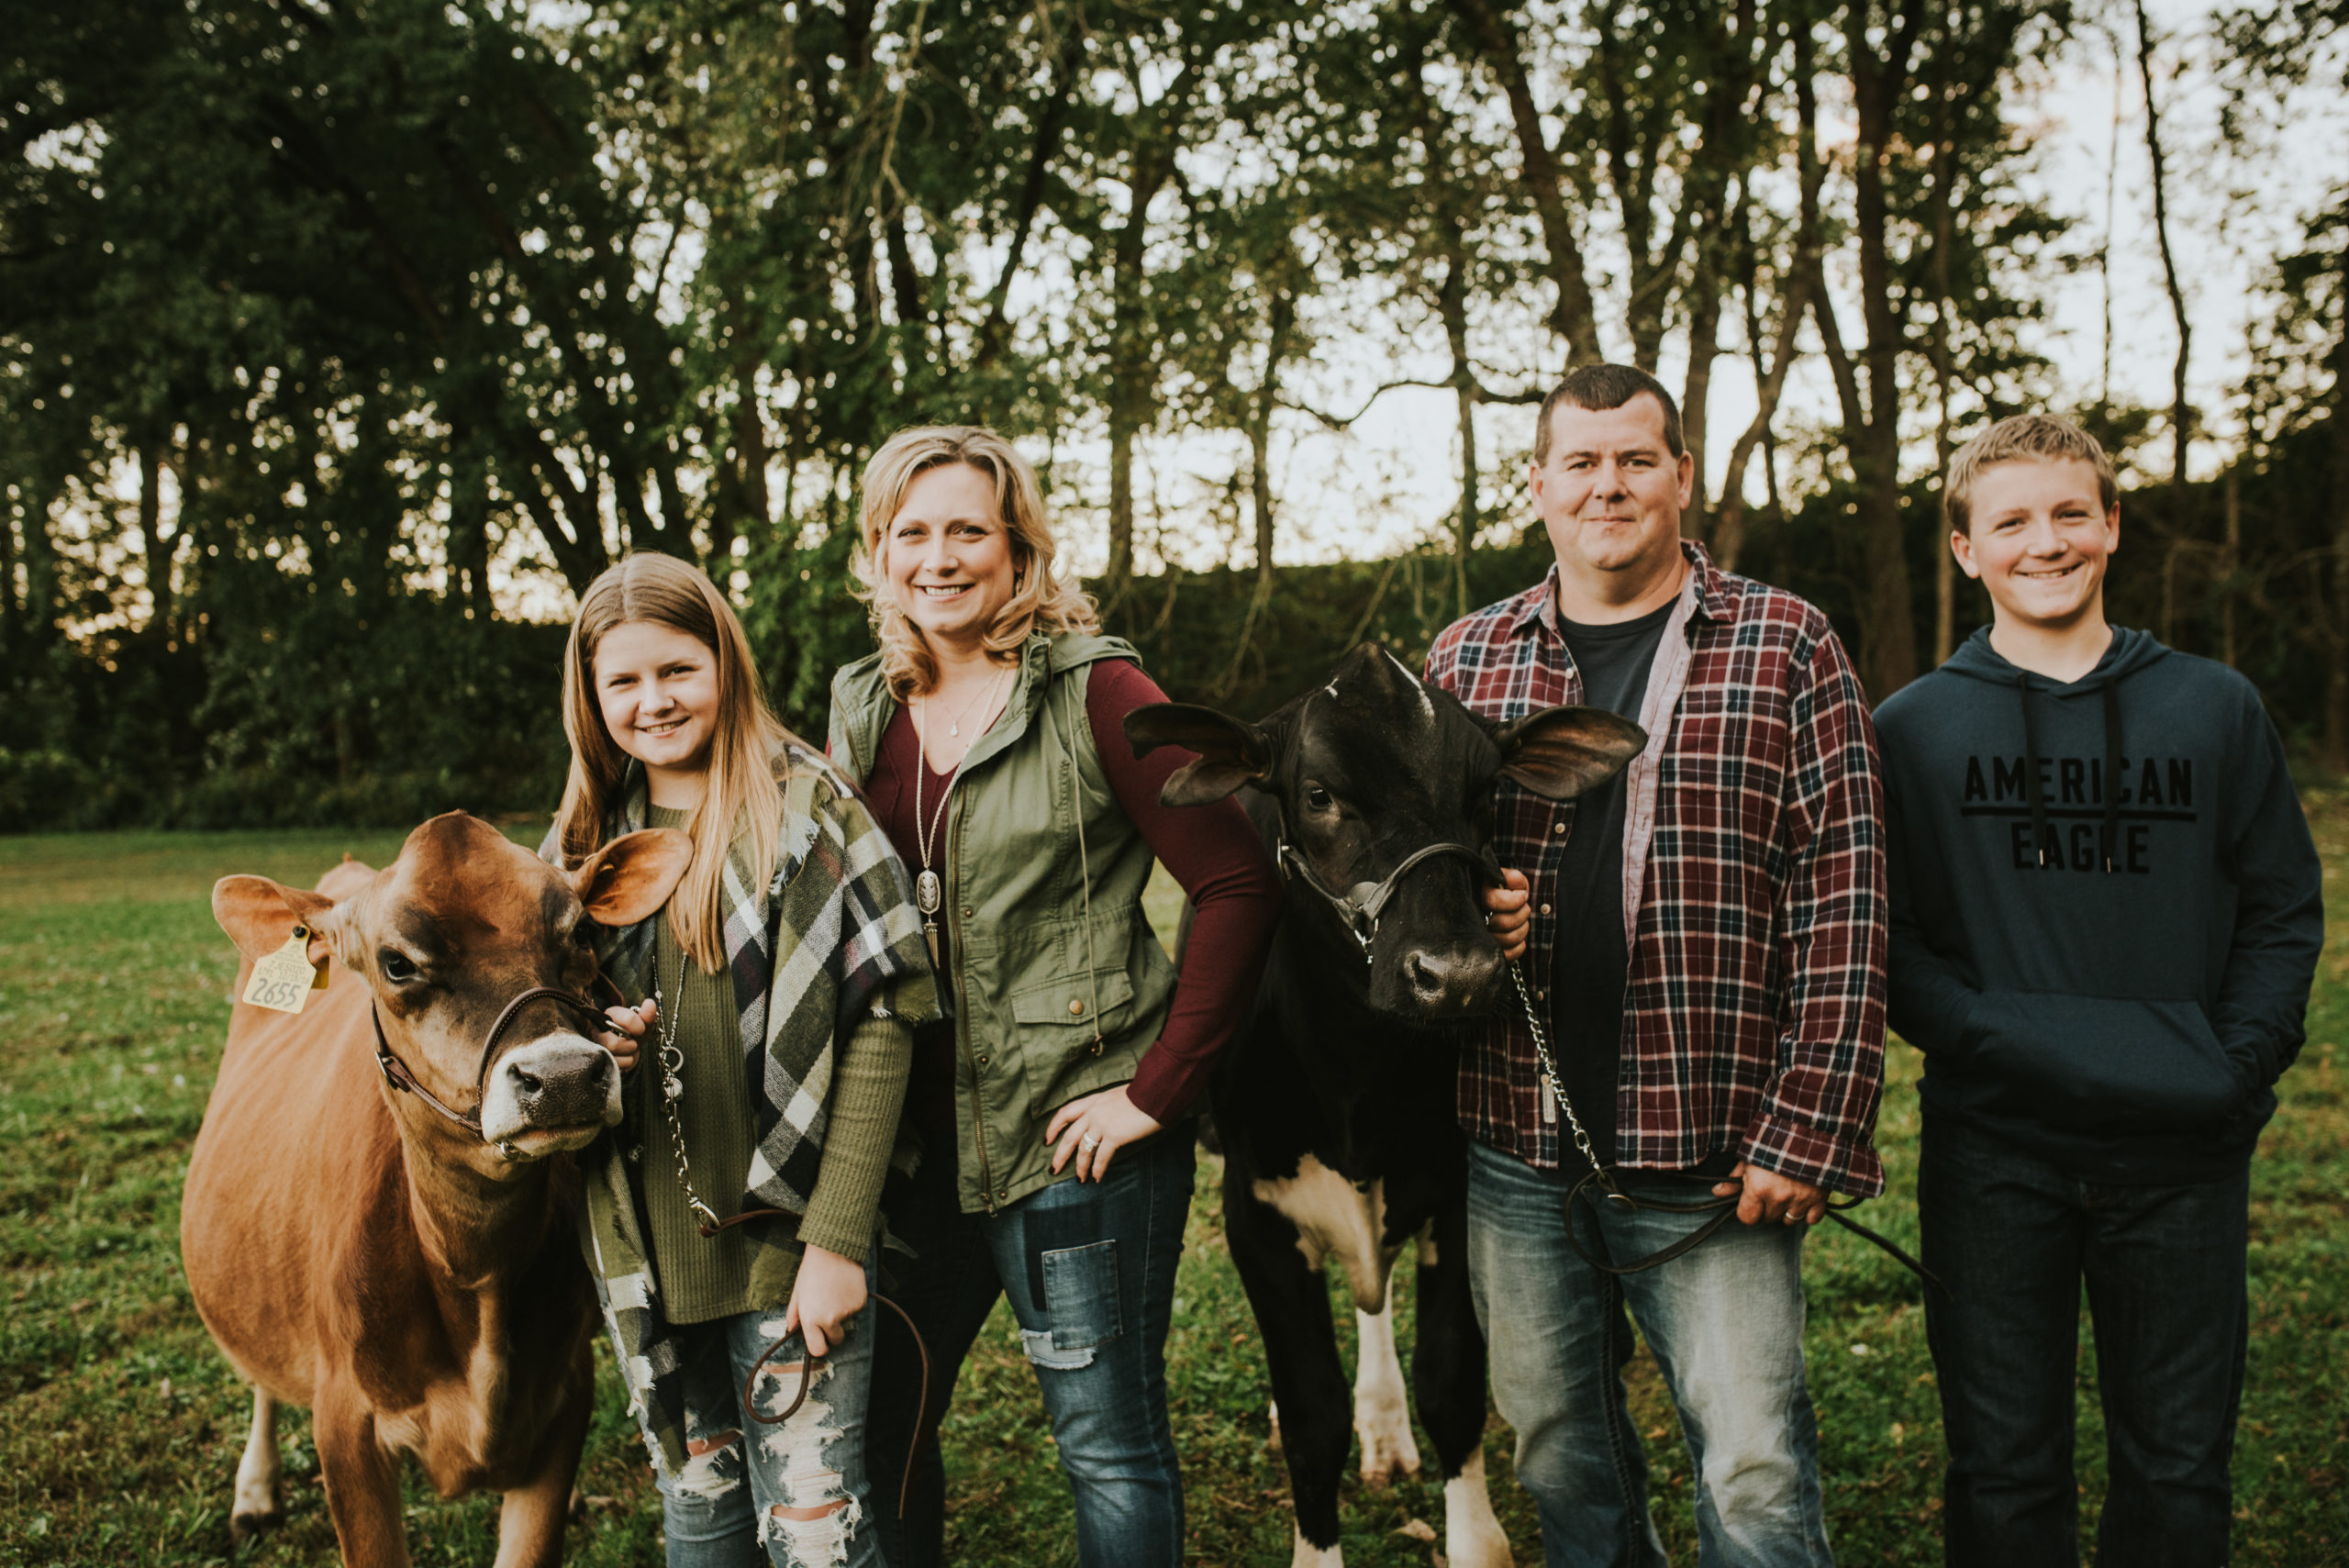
(731, 1219)
(1055, 1106)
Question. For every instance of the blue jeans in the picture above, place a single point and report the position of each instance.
(2013, 1237)
(795, 1471)
(1089, 1270)
(1725, 1322)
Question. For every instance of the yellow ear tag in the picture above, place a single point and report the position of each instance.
(284, 980)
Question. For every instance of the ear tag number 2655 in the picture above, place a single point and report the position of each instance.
(284, 980)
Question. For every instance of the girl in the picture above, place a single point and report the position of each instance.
(730, 1218)
(1054, 1109)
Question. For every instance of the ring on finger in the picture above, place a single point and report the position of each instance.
(1089, 1142)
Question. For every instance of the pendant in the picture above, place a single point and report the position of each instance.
(929, 935)
(955, 728)
(926, 892)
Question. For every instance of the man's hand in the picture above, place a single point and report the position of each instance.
(828, 1291)
(1770, 1198)
(1508, 915)
(629, 1025)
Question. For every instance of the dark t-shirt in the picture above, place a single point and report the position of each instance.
(1592, 957)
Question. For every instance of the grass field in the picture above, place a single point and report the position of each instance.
(121, 1425)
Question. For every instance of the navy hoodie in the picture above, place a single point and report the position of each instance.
(2105, 908)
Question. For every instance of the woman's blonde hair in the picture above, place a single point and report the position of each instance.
(739, 794)
(1040, 598)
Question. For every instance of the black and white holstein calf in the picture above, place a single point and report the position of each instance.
(1335, 1107)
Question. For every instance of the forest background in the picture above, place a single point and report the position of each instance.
(343, 342)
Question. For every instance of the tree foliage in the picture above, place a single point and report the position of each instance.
(343, 342)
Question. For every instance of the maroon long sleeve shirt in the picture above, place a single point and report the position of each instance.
(1212, 850)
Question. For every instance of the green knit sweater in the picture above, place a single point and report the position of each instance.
(702, 1278)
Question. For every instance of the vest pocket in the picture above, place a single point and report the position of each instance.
(1066, 1005)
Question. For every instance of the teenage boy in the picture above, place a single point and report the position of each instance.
(1707, 957)
(2106, 917)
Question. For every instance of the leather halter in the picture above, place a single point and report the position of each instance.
(1359, 909)
(401, 1077)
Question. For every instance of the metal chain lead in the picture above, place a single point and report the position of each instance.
(1550, 1073)
(672, 1088)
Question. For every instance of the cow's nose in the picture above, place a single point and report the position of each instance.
(556, 1089)
(1452, 979)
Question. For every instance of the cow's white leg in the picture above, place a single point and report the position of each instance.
(1308, 1555)
(1473, 1538)
(255, 1508)
(1382, 1414)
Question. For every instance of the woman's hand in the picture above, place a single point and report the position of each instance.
(1094, 1129)
(629, 1025)
(828, 1291)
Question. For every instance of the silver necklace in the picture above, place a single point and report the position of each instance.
(929, 890)
(954, 725)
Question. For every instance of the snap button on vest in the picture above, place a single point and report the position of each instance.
(1076, 1008)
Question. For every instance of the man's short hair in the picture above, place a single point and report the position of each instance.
(1599, 388)
(2035, 438)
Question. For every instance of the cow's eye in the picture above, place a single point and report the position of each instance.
(395, 966)
(1318, 797)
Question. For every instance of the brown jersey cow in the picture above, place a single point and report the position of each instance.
(380, 1210)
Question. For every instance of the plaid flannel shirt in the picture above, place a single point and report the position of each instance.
(1754, 888)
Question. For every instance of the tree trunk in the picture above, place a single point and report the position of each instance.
(1697, 392)
(2179, 413)
(1129, 370)
(43, 602)
(1451, 303)
(2336, 686)
(1944, 560)
(1573, 316)
(1260, 433)
(469, 526)
(159, 553)
(1887, 621)
(9, 609)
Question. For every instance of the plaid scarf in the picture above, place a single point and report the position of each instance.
(831, 938)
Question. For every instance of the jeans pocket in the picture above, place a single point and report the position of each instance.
(1081, 1296)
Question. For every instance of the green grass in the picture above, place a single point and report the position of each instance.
(121, 1425)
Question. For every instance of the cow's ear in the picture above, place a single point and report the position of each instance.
(259, 914)
(628, 879)
(1232, 750)
(1559, 752)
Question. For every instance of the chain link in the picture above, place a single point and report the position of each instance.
(1550, 1074)
(672, 1087)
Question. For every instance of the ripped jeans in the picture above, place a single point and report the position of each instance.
(796, 1472)
(1089, 1270)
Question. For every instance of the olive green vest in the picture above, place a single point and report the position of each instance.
(1049, 1003)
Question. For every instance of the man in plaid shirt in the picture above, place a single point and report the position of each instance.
(1705, 936)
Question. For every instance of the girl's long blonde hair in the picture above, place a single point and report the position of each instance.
(1040, 598)
(740, 797)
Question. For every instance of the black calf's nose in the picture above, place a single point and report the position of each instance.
(1450, 979)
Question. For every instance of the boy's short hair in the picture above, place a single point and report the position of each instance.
(1600, 388)
(2041, 438)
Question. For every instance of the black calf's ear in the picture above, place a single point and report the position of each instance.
(1231, 751)
(1559, 752)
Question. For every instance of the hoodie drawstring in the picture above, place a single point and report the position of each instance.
(2108, 835)
(2031, 785)
(2111, 844)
